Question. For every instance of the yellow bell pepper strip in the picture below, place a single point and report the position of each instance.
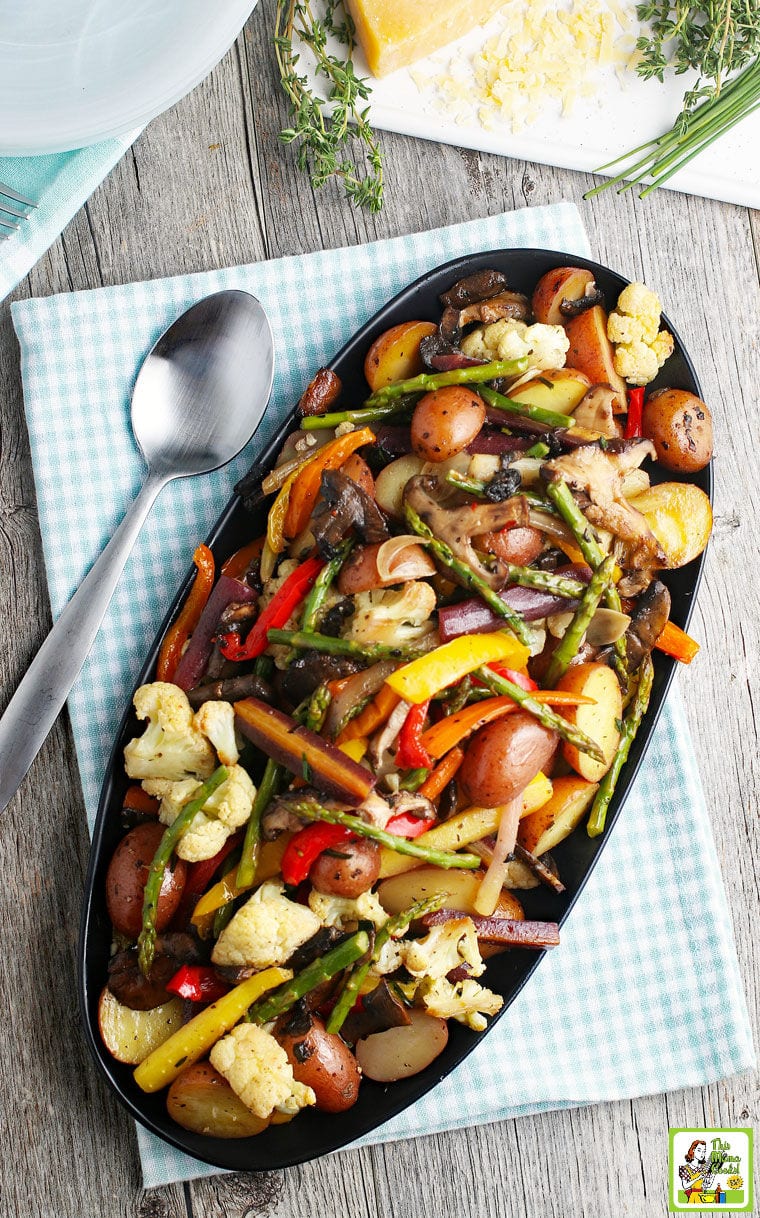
(355, 748)
(194, 1039)
(275, 542)
(304, 490)
(677, 643)
(238, 563)
(429, 674)
(465, 827)
(177, 635)
(452, 730)
(441, 776)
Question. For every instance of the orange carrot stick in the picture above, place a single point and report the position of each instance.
(238, 563)
(442, 736)
(442, 774)
(372, 717)
(677, 643)
(177, 635)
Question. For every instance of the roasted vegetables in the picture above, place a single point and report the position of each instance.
(398, 706)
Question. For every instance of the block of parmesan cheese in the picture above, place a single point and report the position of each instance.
(394, 33)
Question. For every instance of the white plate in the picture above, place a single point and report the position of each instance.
(76, 71)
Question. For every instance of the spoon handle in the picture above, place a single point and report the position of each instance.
(35, 706)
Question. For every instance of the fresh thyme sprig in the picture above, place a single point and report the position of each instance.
(720, 39)
(322, 127)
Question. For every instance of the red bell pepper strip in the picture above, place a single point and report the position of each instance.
(411, 753)
(277, 613)
(199, 876)
(198, 983)
(177, 635)
(305, 847)
(405, 824)
(511, 674)
(635, 411)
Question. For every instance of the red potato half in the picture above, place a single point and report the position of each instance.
(358, 471)
(460, 889)
(560, 390)
(324, 1062)
(132, 1035)
(551, 824)
(201, 1100)
(563, 283)
(128, 874)
(680, 516)
(395, 355)
(390, 483)
(599, 720)
(402, 1052)
(591, 352)
(445, 421)
(360, 572)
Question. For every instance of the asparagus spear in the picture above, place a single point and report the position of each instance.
(341, 647)
(545, 715)
(318, 593)
(539, 414)
(270, 781)
(393, 926)
(468, 577)
(631, 723)
(426, 382)
(309, 809)
(146, 943)
(278, 1001)
(319, 704)
(588, 543)
(368, 414)
(568, 645)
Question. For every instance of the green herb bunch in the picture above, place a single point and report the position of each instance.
(323, 127)
(720, 40)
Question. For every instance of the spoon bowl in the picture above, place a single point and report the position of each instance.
(197, 401)
(198, 396)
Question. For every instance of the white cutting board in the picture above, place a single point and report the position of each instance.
(624, 114)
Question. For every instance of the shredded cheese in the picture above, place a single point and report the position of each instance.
(540, 56)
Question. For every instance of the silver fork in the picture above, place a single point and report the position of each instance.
(10, 214)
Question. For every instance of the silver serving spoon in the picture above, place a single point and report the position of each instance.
(198, 399)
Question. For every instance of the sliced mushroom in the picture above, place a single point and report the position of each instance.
(310, 669)
(600, 476)
(648, 622)
(473, 288)
(345, 506)
(457, 526)
(231, 689)
(595, 412)
(380, 1009)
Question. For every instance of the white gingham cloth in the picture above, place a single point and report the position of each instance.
(636, 1015)
(59, 184)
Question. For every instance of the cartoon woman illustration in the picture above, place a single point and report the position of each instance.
(696, 1175)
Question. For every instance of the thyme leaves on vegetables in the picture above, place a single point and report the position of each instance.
(322, 128)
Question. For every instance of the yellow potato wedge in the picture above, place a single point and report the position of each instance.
(680, 516)
(201, 1100)
(546, 828)
(395, 355)
(563, 283)
(463, 828)
(131, 1035)
(559, 390)
(461, 887)
(598, 720)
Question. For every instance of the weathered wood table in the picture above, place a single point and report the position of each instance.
(208, 185)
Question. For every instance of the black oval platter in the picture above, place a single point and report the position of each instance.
(314, 1133)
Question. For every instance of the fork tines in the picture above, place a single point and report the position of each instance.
(9, 213)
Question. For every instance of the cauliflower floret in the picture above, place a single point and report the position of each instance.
(342, 911)
(394, 618)
(390, 958)
(171, 746)
(216, 720)
(444, 948)
(266, 931)
(258, 1070)
(467, 1002)
(543, 346)
(226, 810)
(633, 326)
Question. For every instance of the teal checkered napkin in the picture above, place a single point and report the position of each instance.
(636, 1017)
(59, 184)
